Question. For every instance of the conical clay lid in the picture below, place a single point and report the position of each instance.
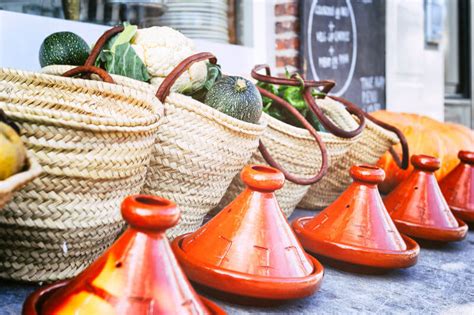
(252, 244)
(418, 207)
(138, 274)
(458, 187)
(356, 228)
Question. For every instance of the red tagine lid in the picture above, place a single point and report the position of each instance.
(138, 274)
(357, 229)
(458, 187)
(418, 207)
(249, 249)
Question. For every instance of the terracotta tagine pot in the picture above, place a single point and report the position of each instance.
(138, 274)
(248, 249)
(356, 229)
(418, 207)
(458, 187)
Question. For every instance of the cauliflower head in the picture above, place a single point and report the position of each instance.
(161, 49)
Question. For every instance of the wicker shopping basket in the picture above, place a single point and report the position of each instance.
(376, 139)
(197, 153)
(94, 141)
(198, 149)
(296, 149)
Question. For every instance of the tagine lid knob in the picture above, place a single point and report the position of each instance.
(262, 178)
(367, 174)
(150, 213)
(466, 157)
(425, 163)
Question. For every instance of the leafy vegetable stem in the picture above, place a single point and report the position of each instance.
(267, 107)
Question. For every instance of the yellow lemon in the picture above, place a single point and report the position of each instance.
(12, 152)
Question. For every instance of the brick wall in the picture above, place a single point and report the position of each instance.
(287, 31)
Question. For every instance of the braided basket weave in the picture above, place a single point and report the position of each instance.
(198, 151)
(296, 151)
(367, 149)
(93, 140)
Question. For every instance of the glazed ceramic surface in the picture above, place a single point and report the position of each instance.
(458, 187)
(137, 275)
(249, 248)
(418, 207)
(356, 228)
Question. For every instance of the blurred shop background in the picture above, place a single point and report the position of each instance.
(402, 55)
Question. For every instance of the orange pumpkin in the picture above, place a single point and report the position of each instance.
(424, 136)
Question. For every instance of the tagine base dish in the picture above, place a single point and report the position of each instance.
(431, 233)
(34, 302)
(353, 268)
(463, 214)
(246, 285)
(366, 258)
(242, 300)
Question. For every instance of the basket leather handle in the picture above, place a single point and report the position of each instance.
(401, 163)
(328, 124)
(89, 70)
(90, 61)
(310, 101)
(352, 108)
(88, 67)
(267, 78)
(404, 162)
(165, 87)
(269, 159)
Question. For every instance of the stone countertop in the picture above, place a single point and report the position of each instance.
(441, 283)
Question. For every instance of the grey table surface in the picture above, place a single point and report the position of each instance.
(442, 282)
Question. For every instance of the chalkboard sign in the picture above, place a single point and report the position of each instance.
(344, 41)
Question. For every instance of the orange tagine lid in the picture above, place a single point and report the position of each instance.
(356, 229)
(458, 187)
(138, 274)
(418, 207)
(249, 249)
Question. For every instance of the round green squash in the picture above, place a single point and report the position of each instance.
(63, 48)
(236, 97)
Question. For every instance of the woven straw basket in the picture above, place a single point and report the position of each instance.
(198, 149)
(367, 149)
(297, 152)
(197, 153)
(296, 149)
(17, 181)
(94, 142)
